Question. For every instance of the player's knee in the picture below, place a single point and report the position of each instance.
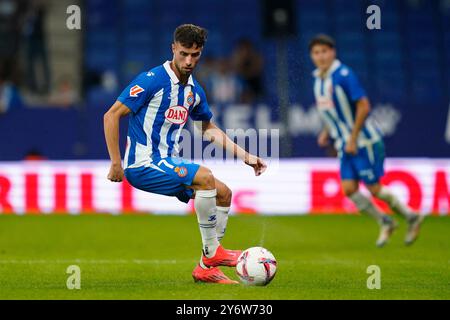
(374, 189)
(206, 179)
(349, 190)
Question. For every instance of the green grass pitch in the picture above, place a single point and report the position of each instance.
(152, 257)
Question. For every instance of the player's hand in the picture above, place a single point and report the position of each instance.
(351, 147)
(323, 139)
(256, 163)
(115, 173)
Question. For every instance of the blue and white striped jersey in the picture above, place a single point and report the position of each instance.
(160, 107)
(336, 95)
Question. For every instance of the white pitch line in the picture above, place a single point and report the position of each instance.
(155, 261)
(92, 261)
(325, 261)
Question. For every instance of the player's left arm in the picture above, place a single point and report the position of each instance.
(216, 135)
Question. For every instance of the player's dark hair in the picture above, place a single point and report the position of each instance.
(322, 39)
(189, 34)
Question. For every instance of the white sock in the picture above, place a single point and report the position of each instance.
(205, 207)
(222, 220)
(202, 265)
(387, 196)
(366, 206)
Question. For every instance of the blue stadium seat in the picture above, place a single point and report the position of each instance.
(101, 40)
(406, 54)
(309, 6)
(349, 21)
(99, 97)
(387, 39)
(137, 5)
(101, 5)
(102, 61)
(345, 5)
(389, 21)
(348, 41)
(138, 40)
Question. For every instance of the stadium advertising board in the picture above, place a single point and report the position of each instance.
(299, 186)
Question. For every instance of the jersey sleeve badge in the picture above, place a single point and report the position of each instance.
(135, 90)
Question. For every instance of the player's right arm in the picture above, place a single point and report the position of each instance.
(362, 112)
(111, 127)
(354, 90)
(133, 97)
(324, 138)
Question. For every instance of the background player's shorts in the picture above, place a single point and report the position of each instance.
(367, 165)
(168, 176)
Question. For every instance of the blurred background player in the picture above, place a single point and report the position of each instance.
(344, 107)
(159, 102)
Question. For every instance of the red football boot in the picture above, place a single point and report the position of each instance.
(211, 275)
(223, 257)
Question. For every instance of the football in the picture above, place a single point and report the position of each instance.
(256, 266)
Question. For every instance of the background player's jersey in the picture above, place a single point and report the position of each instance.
(160, 106)
(336, 96)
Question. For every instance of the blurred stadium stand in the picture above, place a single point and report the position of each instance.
(405, 64)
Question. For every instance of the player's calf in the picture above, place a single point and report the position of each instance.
(223, 207)
(413, 229)
(224, 194)
(364, 204)
(391, 199)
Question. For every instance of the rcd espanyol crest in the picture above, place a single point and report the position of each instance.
(190, 99)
